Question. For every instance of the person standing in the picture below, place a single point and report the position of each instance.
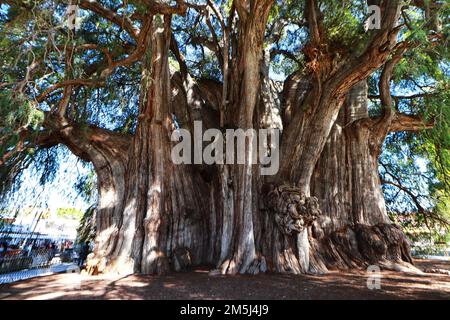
(84, 251)
(3, 251)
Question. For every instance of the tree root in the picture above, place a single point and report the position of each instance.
(360, 246)
(352, 247)
(232, 266)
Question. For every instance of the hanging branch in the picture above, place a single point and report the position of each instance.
(99, 82)
(123, 22)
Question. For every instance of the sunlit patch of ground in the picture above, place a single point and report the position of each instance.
(199, 285)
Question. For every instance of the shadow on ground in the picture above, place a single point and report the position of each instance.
(199, 285)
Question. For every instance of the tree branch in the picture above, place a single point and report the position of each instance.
(242, 8)
(381, 128)
(179, 56)
(72, 82)
(375, 54)
(404, 122)
(313, 22)
(121, 21)
(133, 57)
(286, 53)
(161, 8)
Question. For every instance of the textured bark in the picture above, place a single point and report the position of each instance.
(311, 114)
(239, 184)
(331, 79)
(346, 176)
(354, 229)
(324, 210)
(154, 216)
(108, 152)
(162, 223)
(351, 229)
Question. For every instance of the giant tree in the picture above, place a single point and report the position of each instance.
(113, 80)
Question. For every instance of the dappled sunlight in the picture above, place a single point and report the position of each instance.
(199, 285)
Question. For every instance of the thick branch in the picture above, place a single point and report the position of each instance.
(156, 7)
(376, 53)
(286, 53)
(313, 22)
(179, 56)
(404, 122)
(123, 22)
(242, 8)
(83, 141)
(382, 127)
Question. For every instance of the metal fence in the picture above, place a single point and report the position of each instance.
(21, 247)
(16, 260)
(20, 265)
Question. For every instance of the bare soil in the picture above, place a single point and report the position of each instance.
(197, 284)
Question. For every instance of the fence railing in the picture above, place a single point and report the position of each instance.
(17, 260)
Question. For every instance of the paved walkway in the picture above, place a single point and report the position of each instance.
(31, 273)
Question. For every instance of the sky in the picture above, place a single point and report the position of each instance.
(59, 193)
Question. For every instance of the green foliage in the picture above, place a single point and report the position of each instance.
(420, 162)
(86, 230)
(33, 37)
(87, 186)
(69, 213)
(343, 22)
(17, 113)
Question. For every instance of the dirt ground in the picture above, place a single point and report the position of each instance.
(199, 285)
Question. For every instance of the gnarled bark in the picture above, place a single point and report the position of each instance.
(163, 219)
(108, 152)
(240, 183)
(354, 229)
(324, 209)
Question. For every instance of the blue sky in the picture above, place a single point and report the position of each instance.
(59, 193)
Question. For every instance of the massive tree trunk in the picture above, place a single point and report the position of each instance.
(310, 116)
(108, 152)
(239, 183)
(347, 225)
(354, 229)
(323, 210)
(151, 215)
(154, 216)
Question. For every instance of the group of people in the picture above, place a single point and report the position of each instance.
(50, 248)
(28, 249)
